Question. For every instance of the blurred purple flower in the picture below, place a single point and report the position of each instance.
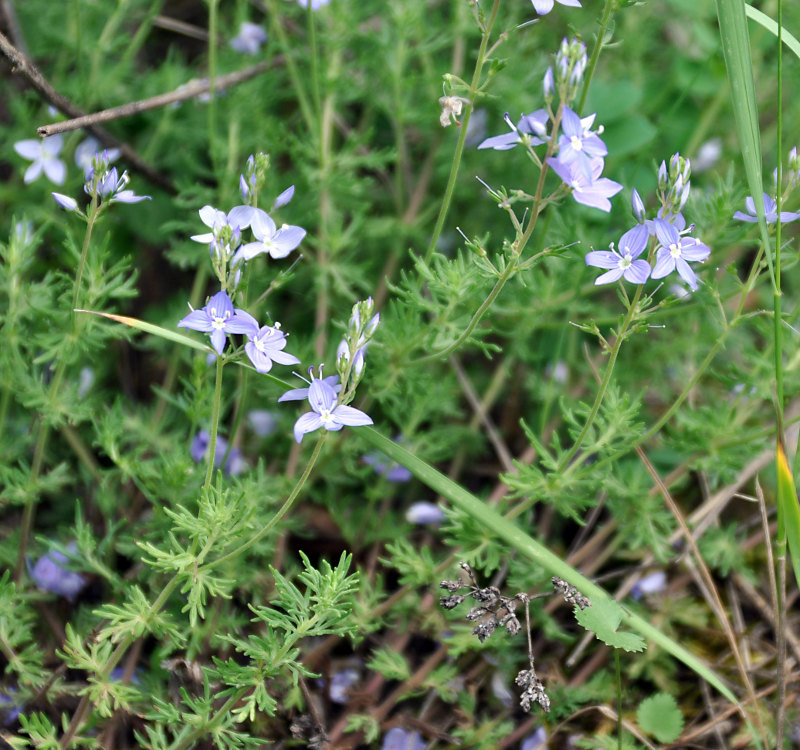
(622, 262)
(9, 708)
(543, 7)
(262, 422)
(652, 583)
(235, 464)
(341, 682)
(384, 466)
(219, 318)
(535, 741)
(593, 193)
(50, 574)
(43, 152)
(770, 212)
(398, 738)
(424, 513)
(88, 149)
(315, 4)
(249, 39)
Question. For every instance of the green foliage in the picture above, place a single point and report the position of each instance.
(603, 619)
(660, 716)
(498, 363)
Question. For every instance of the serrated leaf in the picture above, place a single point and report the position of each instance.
(660, 716)
(603, 619)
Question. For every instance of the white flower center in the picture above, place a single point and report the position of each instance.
(576, 142)
(675, 249)
(626, 260)
(326, 416)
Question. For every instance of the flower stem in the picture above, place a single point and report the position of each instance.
(462, 137)
(629, 315)
(212, 446)
(282, 511)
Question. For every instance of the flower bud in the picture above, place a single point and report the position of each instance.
(638, 206)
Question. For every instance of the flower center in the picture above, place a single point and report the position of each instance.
(326, 416)
(576, 142)
(675, 249)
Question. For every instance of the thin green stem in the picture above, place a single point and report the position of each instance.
(605, 22)
(462, 137)
(312, 43)
(618, 669)
(212, 446)
(632, 308)
(91, 214)
(291, 66)
(282, 511)
(212, 80)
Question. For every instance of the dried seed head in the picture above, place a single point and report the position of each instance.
(570, 593)
(452, 585)
(451, 602)
(485, 629)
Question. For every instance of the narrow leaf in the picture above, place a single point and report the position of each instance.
(762, 18)
(141, 325)
(788, 509)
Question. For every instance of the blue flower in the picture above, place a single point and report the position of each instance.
(676, 249)
(770, 212)
(265, 347)
(593, 192)
(578, 143)
(219, 318)
(90, 148)
(50, 574)
(235, 464)
(424, 513)
(531, 128)
(326, 413)
(622, 263)
(315, 4)
(249, 39)
(270, 239)
(543, 7)
(384, 466)
(44, 155)
(301, 394)
(111, 187)
(398, 738)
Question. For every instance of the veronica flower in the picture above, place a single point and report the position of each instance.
(326, 413)
(543, 7)
(315, 4)
(341, 682)
(284, 197)
(301, 394)
(214, 220)
(266, 346)
(398, 738)
(652, 583)
(219, 318)
(235, 464)
(622, 263)
(593, 192)
(531, 128)
(276, 242)
(44, 155)
(770, 212)
(50, 574)
(249, 39)
(112, 187)
(90, 148)
(675, 251)
(424, 513)
(578, 143)
(384, 466)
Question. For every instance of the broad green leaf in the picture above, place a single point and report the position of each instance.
(660, 716)
(603, 619)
